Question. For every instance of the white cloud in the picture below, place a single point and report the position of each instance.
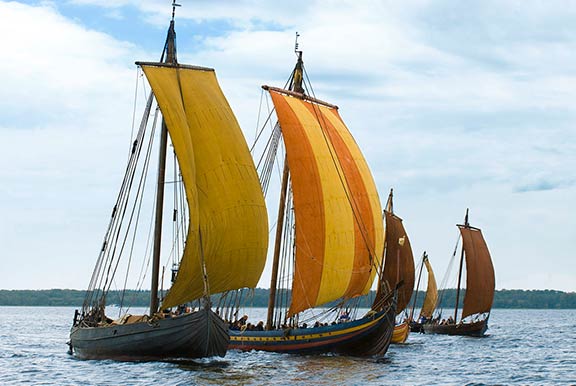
(65, 94)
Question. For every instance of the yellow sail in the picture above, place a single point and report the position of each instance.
(431, 293)
(228, 229)
(480, 282)
(339, 235)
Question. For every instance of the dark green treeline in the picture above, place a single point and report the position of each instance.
(536, 299)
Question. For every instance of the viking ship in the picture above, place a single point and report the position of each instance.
(328, 241)
(398, 268)
(430, 299)
(480, 284)
(219, 222)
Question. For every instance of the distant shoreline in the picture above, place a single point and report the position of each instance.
(505, 299)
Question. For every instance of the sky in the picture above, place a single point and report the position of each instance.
(454, 104)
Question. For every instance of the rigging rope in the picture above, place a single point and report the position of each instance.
(447, 275)
(143, 180)
(104, 255)
(137, 203)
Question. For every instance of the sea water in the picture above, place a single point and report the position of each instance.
(524, 347)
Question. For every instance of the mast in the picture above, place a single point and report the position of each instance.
(424, 257)
(389, 203)
(460, 271)
(382, 262)
(277, 243)
(168, 56)
(296, 85)
(390, 209)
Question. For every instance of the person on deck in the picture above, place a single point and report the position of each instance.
(242, 320)
(344, 317)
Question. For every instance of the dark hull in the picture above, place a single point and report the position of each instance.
(469, 329)
(416, 327)
(369, 336)
(193, 335)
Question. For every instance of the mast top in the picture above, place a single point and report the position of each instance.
(169, 54)
(389, 203)
(298, 73)
(466, 224)
(174, 5)
(296, 46)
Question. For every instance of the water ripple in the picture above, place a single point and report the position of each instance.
(33, 351)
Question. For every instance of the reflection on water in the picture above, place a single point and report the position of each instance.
(197, 365)
(524, 347)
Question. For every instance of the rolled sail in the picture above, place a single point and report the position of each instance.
(228, 229)
(339, 235)
(480, 282)
(399, 261)
(431, 298)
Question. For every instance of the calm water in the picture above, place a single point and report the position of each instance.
(526, 347)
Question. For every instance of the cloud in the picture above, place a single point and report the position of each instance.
(67, 100)
(57, 67)
(545, 184)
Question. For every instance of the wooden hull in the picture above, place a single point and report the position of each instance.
(369, 336)
(469, 329)
(416, 327)
(401, 332)
(193, 335)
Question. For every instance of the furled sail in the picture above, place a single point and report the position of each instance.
(228, 226)
(480, 281)
(398, 260)
(431, 293)
(339, 235)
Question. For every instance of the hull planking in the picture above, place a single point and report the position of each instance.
(368, 336)
(192, 335)
(401, 332)
(476, 329)
(416, 327)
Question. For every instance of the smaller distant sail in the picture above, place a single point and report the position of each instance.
(480, 282)
(431, 298)
(398, 260)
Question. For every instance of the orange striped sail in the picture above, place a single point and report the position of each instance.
(339, 233)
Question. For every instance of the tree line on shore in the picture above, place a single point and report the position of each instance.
(531, 299)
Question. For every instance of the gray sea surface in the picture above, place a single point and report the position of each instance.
(523, 347)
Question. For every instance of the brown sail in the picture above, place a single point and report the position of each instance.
(399, 261)
(480, 281)
(479, 287)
